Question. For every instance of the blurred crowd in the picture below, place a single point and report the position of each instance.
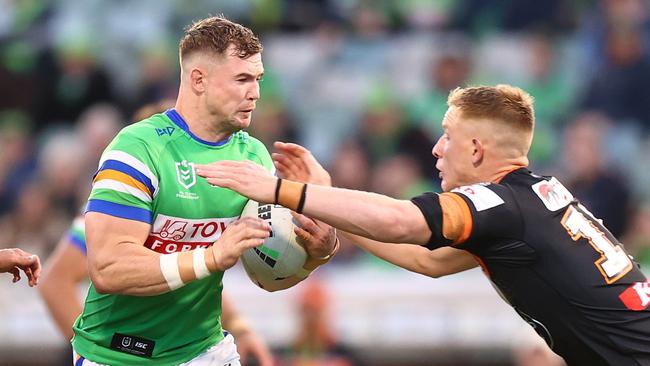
(361, 83)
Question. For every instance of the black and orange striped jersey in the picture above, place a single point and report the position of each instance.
(556, 264)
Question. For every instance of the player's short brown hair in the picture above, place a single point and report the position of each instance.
(504, 103)
(216, 34)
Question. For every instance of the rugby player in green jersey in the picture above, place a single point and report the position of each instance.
(155, 297)
(66, 269)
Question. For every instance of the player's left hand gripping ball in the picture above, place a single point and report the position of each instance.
(244, 177)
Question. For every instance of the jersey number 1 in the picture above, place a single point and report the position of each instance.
(613, 262)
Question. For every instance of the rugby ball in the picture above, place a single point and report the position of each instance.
(280, 256)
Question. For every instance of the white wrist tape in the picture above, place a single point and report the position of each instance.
(169, 269)
(200, 267)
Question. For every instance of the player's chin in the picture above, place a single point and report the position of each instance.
(446, 185)
(243, 121)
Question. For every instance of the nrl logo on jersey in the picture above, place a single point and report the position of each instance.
(185, 174)
(186, 177)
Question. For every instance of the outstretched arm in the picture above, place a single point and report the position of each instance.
(297, 163)
(367, 214)
(433, 263)
(64, 270)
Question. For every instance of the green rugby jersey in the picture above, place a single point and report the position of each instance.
(147, 174)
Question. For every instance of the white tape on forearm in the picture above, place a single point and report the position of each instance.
(169, 269)
(200, 267)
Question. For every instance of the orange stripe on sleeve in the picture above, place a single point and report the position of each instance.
(456, 218)
(123, 178)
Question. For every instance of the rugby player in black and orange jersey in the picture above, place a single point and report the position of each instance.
(556, 264)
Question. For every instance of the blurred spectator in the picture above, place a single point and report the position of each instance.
(400, 177)
(446, 73)
(425, 14)
(384, 132)
(35, 224)
(350, 167)
(61, 163)
(157, 76)
(637, 240)
(75, 82)
(303, 14)
(23, 38)
(316, 343)
(620, 87)
(272, 122)
(96, 128)
(587, 175)
(554, 92)
(16, 155)
(606, 15)
(483, 16)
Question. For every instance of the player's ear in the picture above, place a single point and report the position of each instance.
(197, 80)
(478, 153)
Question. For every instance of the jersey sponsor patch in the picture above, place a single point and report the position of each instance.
(481, 196)
(637, 296)
(189, 230)
(553, 194)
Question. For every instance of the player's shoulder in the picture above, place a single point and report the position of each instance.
(548, 190)
(150, 130)
(151, 134)
(506, 192)
(484, 195)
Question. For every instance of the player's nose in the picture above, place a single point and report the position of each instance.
(254, 92)
(435, 151)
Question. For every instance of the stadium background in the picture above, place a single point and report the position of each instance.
(361, 83)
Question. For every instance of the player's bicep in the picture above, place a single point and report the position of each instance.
(104, 233)
(420, 230)
(447, 217)
(447, 260)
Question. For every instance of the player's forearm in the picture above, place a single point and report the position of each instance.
(402, 255)
(366, 214)
(433, 263)
(127, 269)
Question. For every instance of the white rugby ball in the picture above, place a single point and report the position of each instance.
(280, 256)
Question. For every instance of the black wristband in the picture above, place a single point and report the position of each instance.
(303, 195)
(278, 184)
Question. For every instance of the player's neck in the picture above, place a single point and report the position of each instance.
(201, 123)
(506, 166)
